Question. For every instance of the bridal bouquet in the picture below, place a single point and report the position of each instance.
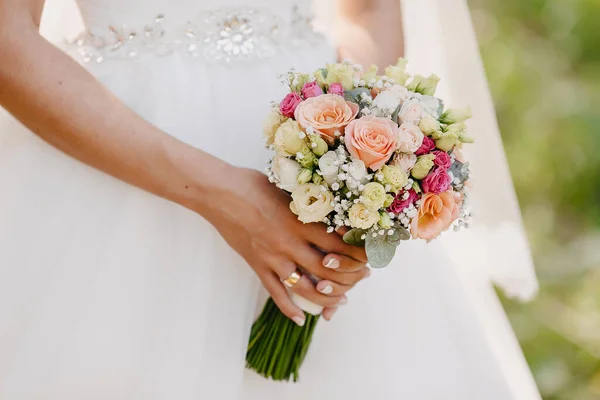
(379, 156)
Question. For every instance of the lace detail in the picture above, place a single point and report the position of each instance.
(223, 35)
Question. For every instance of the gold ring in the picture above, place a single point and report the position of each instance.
(291, 280)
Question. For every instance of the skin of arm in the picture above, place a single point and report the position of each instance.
(369, 31)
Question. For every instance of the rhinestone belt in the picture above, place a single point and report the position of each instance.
(223, 35)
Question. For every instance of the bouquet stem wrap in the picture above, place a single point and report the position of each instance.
(277, 345)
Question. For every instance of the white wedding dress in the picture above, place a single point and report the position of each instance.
(107, 292)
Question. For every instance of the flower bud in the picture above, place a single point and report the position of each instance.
(321, 146)
(423, 166)
(287, 138)
(304, 176)
(456, 115)
(384, 220)
(389, 199)
(414, 83)
(429, 125)
(428, 85)
(307, 158)
(398, 72)
(369, 74)
(316, 178)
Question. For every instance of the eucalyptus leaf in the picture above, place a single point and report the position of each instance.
(460, 171)
(440, 109)
(354, 237)
(381, 249)
(324, 72)
(354, 94)
(403, 233)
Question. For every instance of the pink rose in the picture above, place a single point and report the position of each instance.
(427, 145)
(311, 89)
(442, 159)
(289, 104)
(372, 140)
(410, 138)
(327, 114)
(336, 88)
(398, 205)
(438, 181)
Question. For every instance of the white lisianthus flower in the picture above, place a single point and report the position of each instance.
(431, 105)
(287, 138)
(358, 170)
(286, 172)
(361, 217)
(411, 111)
(391, 98)
(329, 167)
(373, 196)
(410, 138)
(398, 72)
(404, 161)
(272, 122)
(428, 85)
(311, 202)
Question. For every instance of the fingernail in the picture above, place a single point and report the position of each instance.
(343, 301)
(298, 320)
(332, 263)
(328, 289)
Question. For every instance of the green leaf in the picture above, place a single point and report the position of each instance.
(403, 233)
(354, 94)
(395, 113)
(324, 72)
(354, 237)
(381, 249)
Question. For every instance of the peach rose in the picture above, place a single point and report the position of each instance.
(436, 214)
(327, 114)
(372, 140)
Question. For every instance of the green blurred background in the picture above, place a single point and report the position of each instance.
(542, 59)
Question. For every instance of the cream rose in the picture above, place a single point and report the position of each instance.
(410, 138)
(395, 176)
(411, 111)
(311, 202)
(272, 123)
(329, 167)
(287, 138)
(361, 217)
(404, 161)
(327, 114)
(286, 172)
(373, 196)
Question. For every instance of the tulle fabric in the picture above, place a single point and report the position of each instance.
(109, 292)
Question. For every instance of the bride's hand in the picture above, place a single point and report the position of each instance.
(253, 216)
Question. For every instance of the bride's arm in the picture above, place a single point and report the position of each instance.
(61, 102)
(369, 31)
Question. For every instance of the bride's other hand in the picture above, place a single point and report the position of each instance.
(253, 216)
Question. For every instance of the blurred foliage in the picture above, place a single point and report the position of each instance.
(542, 58)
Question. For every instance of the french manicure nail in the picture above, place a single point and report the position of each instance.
(343, 301)
(298, 320)
(328, 289)
(332, 263)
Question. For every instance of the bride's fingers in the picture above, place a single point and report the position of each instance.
(281, 298)
(328, 313)
(330, 288)
(312, 261)
(342, 263)
(303, 286)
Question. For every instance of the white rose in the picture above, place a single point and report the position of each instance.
(411, 111)
(358, 170)
(272, 122)
(286, 172)
(329, 166)
(431, 105)
(361, 217)
(311, 202)
(404, 161)
(391, 98)
(410, 138)
(287, 138)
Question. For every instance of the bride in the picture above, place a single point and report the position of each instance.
(135, 231)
